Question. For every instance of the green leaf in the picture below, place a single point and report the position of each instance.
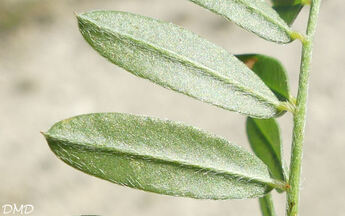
(285, 2)
(271, 72)
(254, 15)
(178, 59)
(266, 205)
(264, 138)
(288, 10)
(159, 156)
(288, 13)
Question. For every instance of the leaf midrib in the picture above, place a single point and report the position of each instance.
(171, 54)
(255, 9)
(150, 158)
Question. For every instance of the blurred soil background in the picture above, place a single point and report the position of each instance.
(49, 73)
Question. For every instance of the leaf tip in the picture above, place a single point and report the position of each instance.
(45, 134)
(80, 16)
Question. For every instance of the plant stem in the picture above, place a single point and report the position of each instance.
(300, 113)
(266, 205)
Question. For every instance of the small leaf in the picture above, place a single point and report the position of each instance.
(178, 59)
(264, 138)
(254, 15)
(266, 205)
(288, 13)
(288, 10)
(271, 72)
(159, 156)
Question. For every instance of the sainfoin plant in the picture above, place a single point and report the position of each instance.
(175, 159)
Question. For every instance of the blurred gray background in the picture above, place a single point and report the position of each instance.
(49, 73)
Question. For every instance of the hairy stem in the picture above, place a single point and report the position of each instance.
(300, 113)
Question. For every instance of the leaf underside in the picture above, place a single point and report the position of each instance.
(178, 59)
(159, 156)
(253, 15)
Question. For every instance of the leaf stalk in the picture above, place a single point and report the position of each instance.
(299, 36)
(306, 2)
(287, 106)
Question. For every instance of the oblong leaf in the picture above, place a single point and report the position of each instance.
(271, 72)
(158, 156)
(254, 15)
(288, 13)
(264, 138)
(178, 59)
(288, 10)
